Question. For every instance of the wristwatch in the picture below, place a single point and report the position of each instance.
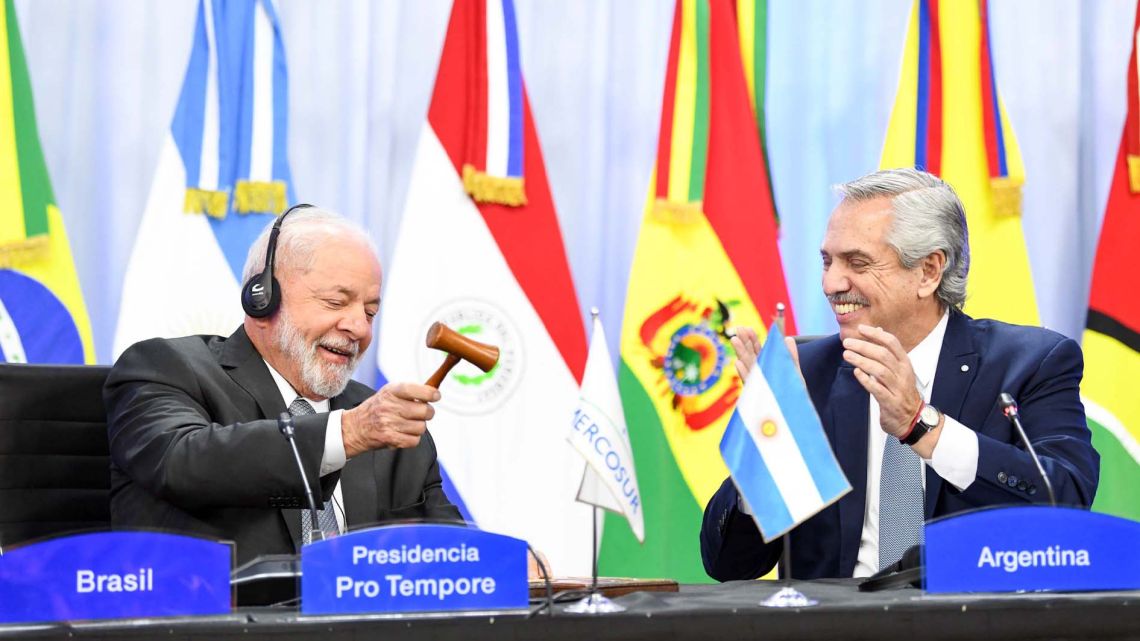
(925, 421)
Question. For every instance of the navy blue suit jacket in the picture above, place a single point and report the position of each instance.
(979, 360)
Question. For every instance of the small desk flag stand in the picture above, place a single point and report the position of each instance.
(595, 602)
(787, 596)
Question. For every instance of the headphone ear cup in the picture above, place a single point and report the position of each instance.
(256, 300)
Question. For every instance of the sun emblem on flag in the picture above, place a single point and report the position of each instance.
(768, 428)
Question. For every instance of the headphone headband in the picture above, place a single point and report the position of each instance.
(261, 294)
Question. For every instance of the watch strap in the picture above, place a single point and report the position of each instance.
(914, 425)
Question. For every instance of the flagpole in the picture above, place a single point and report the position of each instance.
(786, 558)
(594, 584)
(786, 555)
(787, 596)
(593, 602)
(594, 510)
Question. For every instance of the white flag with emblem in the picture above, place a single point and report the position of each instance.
(480, 250)
(599, 434)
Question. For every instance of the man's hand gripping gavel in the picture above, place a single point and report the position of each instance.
(396, 416)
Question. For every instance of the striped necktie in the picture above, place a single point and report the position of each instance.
(326, 517)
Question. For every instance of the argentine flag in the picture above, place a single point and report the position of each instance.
(222, 175)
(775, 447)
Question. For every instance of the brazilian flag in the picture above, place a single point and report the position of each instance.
(42, 315)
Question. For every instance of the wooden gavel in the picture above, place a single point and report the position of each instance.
(458, 347)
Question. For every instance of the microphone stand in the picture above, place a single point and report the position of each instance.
(285, 425)
(1009, 408)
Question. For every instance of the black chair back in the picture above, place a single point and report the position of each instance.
(54, 460)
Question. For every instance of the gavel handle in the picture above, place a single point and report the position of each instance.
(451, 361)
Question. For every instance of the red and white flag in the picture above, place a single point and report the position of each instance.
(480, 250)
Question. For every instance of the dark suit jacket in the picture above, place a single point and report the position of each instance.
(979, 360)
(195, 449)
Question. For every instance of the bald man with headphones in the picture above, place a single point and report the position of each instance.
(193, 421)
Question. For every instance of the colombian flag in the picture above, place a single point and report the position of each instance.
(706, 262)
(948, 119)
(42, 315)
(1112, 335)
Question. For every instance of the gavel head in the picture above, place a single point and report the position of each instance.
(444, 338)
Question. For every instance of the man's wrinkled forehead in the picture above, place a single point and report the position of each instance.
(853, 224)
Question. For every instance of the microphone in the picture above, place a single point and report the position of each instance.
(907, 570)
(1009, 408)
(285, 424)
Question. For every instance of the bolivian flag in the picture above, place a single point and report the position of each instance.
(706, 263)
(42, 315)
(947, 119)
(1112, 337)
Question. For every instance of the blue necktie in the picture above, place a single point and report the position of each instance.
(901, 507)
(326, 517)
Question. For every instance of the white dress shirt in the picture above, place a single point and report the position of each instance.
(334, 457)
(955, 458)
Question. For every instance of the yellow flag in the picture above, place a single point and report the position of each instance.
(42, 315)
(948, 119)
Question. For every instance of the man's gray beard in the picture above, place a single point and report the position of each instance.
(322, 378)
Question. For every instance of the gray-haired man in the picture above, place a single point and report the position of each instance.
(908, 392)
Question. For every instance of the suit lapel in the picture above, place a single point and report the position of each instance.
(248, 369)
(849, 406)
(957, 367)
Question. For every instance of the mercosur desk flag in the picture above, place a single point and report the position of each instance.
(480, 250)
(775, 447)
(598, 433)
(222, 175)
(42, 315)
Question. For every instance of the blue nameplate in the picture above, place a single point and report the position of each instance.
(1031, 549)
(109, 575)
(413, 568)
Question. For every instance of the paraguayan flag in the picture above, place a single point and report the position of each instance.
(775, 447)
(480, 249)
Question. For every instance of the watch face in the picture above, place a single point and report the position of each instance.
(929, 415)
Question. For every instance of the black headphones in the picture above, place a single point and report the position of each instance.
(261, 294)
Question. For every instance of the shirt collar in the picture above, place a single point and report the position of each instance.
(288, 394)
(924, 356)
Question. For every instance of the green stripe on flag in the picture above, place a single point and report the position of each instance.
(672, 518)
(34, 183)
(701, 109)
(760, 67)
(1119, 475)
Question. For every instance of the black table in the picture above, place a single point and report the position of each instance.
(717, 612)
